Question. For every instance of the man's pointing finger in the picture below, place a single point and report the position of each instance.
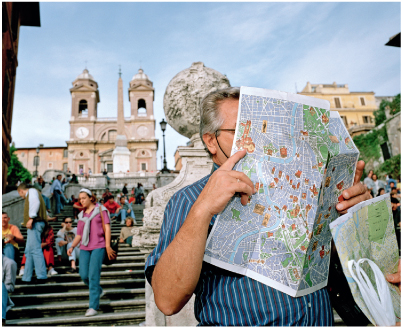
(232, 160)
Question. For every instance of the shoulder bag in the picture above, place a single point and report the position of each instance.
(114, 244)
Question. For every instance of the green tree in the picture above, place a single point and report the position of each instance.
(16, 171)
(394, 106)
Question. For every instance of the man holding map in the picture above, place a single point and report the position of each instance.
(175, 268)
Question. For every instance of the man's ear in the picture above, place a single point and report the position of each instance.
(209, 140)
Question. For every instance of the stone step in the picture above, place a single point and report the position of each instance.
(109, 294)
(58, 287)
(74, 308)
(104, 319)
(68, 278)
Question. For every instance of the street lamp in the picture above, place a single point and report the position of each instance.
(163, 125)
(36, 162)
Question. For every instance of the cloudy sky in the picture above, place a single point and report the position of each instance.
(272, 45)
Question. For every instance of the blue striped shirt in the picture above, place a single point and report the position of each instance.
(229, 299)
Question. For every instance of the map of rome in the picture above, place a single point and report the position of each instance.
(300, 158)
(367, 231)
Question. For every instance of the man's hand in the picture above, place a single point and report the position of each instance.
(395, 278)
(10, 238)
(355, 194)
(29, 224)
(62, 243)
(222, 186)
(128, 211)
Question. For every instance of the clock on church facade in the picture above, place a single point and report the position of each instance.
(92, 139)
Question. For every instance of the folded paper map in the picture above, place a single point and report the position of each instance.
(282, 238)
(367, 231)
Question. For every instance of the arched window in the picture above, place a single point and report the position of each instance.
(112, 135)
(83, 108)
(141, 105)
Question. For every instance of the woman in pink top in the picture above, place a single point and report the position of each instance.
(94, 245)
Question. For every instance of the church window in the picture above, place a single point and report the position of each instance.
(109, 167)
(112, 135)
(141, 105)
(83, 109)
(337, 102)
(65, 153)
(143, 153)
(81, 154)
(144, 166)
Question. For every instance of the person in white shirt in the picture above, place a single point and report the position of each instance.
(35, 217)
(56, 190)
(64, 239)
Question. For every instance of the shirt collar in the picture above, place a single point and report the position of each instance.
(215, 167)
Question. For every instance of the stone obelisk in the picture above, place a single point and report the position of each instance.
(121, 154)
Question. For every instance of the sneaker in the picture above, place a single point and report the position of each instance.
(91, 312)
(21, 272)
(52, 272)
(71, 271)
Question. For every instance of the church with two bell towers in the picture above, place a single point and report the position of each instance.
(92, 139)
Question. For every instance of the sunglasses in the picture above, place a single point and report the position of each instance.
(68, 222)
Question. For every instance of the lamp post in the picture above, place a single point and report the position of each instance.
(36, 162)
(163, 125)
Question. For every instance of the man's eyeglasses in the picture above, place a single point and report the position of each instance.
(231, 130)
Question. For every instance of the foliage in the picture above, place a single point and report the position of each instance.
(380, 115)
(369, 144)
(16, 171)
(390, 167)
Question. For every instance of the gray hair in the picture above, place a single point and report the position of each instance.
(210, 119)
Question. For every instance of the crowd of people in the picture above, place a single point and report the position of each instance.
(85, 245)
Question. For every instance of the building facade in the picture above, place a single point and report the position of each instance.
(355, 108)
(43, 158)
(15, 14)
(92, 139)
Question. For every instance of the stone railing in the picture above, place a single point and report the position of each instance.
(13, 205)
(118, 180)
(50, 173)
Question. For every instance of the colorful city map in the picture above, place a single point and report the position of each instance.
(300, 158)
(367, 231)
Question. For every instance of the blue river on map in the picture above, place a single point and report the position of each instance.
(266, 190)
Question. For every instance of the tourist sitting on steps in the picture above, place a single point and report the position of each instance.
(126, 210)
(113, 208)
(126, 234)
(48, 241)
(12, 237)
(64, 240)
(94, 234)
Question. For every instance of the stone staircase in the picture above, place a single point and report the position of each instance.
(63, 300)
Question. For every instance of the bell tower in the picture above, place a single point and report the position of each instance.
(84, 98)
(141, 96)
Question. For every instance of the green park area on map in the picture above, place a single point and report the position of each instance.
(378, 218)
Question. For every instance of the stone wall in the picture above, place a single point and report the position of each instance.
(393, 128)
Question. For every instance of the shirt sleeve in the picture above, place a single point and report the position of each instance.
(106, 217)
(175, 214)
(34, 204)
(80, 228)
(16, 232)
